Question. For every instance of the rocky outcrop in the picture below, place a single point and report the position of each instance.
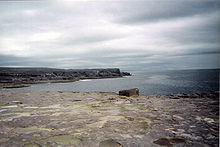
(126, 74)
(36, 75)
(130, 92)
(99, 119)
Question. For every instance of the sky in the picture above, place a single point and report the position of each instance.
(130, 35)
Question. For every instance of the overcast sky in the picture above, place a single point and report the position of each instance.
(131, 35)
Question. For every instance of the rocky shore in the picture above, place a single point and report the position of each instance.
(18, 77)
(96, 119)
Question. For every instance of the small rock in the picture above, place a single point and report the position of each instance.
(127, 102)
(111, 98)
(184, 96)
(119, 102)
(96, 106)
(192, 137)
(174, 97)
(177, 131)
(126, 136)
(24, 140)
(177, 118)
(16, 102)
(75, 100)
(139, 136)
(209, 120)
(210, 136)
(194, 96)
(155, 109)
(203, 95)
(123, 97)
(214, 103)
(198, 118)
(130, 118)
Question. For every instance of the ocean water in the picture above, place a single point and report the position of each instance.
(149, 83)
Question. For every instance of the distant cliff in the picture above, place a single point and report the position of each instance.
(38, 75)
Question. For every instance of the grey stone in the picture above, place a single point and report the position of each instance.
(129, 92)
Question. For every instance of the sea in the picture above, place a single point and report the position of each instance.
(148, 82)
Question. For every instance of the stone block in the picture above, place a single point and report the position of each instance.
(129, 92)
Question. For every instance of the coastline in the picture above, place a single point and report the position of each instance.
(26, 84)
(20, 77)
(99, 118)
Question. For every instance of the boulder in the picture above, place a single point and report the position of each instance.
(129, 92)
(126, 74)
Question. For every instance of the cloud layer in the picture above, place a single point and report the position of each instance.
(132, 35)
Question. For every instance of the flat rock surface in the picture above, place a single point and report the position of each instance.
(32, 118)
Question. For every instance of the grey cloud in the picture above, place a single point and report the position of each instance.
(11, 60)
(206, 32)
(200, 61)
(87, 39)
(112, 34)
(151, 11)
(8, 60)
(204, 52)
(199, 51)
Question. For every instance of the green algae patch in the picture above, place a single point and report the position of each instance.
(129, 107)
(63, 139)
(32, 107)
(15, 115)
(87, 107)
(105, 119)
(19, 107)
(3, 139)
(84, 107)
(9, 106)
(30, 130)
(81, 106)
(123, 109)
(56, 106)
(144, 126)
(169, 142)
(31, 145)
(81, 134)
(140, 107)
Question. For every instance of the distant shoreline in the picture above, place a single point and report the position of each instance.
(19, 77)
(22, 85)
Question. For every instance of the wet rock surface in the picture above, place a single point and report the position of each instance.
(97, 119)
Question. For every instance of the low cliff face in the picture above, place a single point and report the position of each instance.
(28, 75)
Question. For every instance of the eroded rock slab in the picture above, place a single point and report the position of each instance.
(96, 119)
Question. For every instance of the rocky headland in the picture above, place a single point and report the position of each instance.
(97, 119)
(18, 77)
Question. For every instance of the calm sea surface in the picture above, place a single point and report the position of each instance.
(149, 83)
